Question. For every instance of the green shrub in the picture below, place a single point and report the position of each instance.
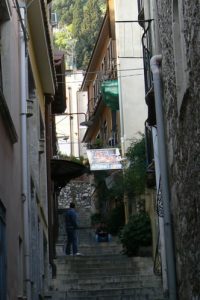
(136, 233)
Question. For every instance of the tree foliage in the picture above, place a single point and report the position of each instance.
(89, 30)
(63, 39)
(85, 18)
(135, 174)
(64, 10)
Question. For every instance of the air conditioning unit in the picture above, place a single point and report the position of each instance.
(54, 19)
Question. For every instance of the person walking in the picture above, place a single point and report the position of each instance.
(71, 229)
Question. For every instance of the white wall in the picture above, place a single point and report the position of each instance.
(130, 66)
(67, 126)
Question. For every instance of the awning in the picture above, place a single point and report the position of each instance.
(110, 93)
(40, 37)
(62, 171)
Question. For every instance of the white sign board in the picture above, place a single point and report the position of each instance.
(104, 159)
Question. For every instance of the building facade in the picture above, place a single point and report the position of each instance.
(130, 71)
(103, 118)
(173, 34)
(11, 206)
(28, 84)
(68, 128)
(180, 70)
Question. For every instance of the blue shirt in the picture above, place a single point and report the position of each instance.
(71, 219)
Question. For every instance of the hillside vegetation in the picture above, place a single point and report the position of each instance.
(79, 22)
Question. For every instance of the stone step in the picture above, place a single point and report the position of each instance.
(101, 282)
(149, 293)
(88, 251)
(64, 296)
(100, 248)
(92, 249)
(110, 270)
(102, 273)
(104, 265)
(144, 262)
(110, 265)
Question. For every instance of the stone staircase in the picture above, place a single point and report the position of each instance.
(105, 276)
(103, 272)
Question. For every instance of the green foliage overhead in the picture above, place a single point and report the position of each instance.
(136, 233)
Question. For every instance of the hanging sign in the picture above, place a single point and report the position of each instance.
(104, 159)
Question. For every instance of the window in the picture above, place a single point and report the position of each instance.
(5, 14)
(5, 112)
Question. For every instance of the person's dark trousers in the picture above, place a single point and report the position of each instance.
(71, 241)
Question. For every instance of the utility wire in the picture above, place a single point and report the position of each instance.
(97, 72)
(100, 80)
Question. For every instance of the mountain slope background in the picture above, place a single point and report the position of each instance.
(79, 22)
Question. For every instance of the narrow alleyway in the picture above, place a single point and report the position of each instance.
(102, 272)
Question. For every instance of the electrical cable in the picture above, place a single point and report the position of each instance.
(102, 80)
(96, 72)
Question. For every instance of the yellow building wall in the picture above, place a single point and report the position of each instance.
(36, 75)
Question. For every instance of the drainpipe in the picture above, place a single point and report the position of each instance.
(170, 255)
(24, 147)
(125, 198)
(160, 219)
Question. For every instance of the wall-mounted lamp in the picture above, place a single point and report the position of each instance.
(86, 123)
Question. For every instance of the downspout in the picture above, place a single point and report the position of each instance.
(125, 197)
(24, 147)
(170, 255)
(160, 219)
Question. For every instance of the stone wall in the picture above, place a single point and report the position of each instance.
(79, 192)
(183, 140)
